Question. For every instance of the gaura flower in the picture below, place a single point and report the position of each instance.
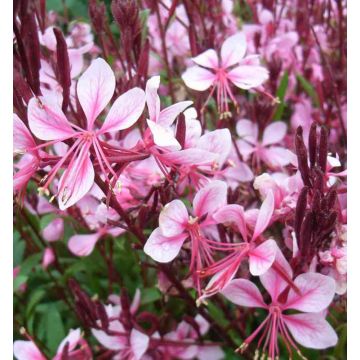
(308, 328)
(230, 67)
(95, 89)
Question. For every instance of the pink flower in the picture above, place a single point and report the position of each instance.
(95, 88)
(231, 66)
(309, 328)
(175, 226)
(261, 257)
(48, 257)
(54, 230)
(265, 149)
(72, 347)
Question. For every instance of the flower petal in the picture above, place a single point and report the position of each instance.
(311, 330)
(168, 115)
(83, 245)
(46, 119)
(152, 97)
(210, 198)
(163, 249)
(22, 139)
(233, 50)
(190, 156)
(262, 257)
(248, 76)
(173, 218)
(317, 291)
(95, 89)
(163, 136)
(247, 131)
(197, 78)
(277, 156)
(265, 214)
(76, 181)
(244, 293)
(139, 343)
(207, 59)
(274, 133)
(125, 111)
(54, 230)
(27, 350)
(72, 338)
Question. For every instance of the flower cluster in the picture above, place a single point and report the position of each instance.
(191, 154)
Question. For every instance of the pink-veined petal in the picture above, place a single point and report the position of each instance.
(173, 218)
(72, 338)
(197, 78)
(233, 50)
(207, 59)
(274, 133)
(163, 136)
(139, 343)
(83, 245)
(152, 97)
(110, 342)
(77, 60)
(95, 89)
(210, 198)
(22, 139)
(272, 280)
(248, 76)
(163, 249)
(168, 115)
(218, 142)
(190, 156)
(54, 230)
(208, 352)
(46, 119)
(76, 181)
(264, 215)
(125, 111)
(317, 291)
(277, 156)
(262, 257)
(232, 214)
(247, 131)
(27, 350)
(244, 293)
(311, 330)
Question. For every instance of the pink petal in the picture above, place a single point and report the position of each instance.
(108, 341)
(163, 249)
(311, 330)
(244, 293)
(47, 121)
(210, 198)
(208, 352)
(233, 50)
(95, 89)
(83, 245)
(27, 350)
(207, 59)
(248, 76)
(218, 142)
(125, 111)
(168, 115)
(272, 281)
(139, 343)
(163, 136)
(48, 257)
(77, 59)
(317, 292)
(277, 156)
(265, 214)
(54, 230)
(197, 78)
(274, 133)
(73, 339)
(22, 139)
(173, 218)
(232, 214)
(247, 130)
(152, 98)
(262, 257)
(189, 157)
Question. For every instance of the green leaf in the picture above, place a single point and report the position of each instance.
(55, 331)
(46, 220)
(34, 299)
(308, 88)
(150, 295)
(280, 93)
(19, 280)
(28, 265)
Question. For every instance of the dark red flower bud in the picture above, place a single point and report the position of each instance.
(300, 210)
(181, 130)
(323, 149)
(306, 233)
(312, 145)
(302, 157)
(97, 15)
